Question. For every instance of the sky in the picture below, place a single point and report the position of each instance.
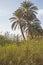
(7, 7)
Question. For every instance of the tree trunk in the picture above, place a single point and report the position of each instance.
(22, 31)
(29, 31)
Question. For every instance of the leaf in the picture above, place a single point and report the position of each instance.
(12, 18)
(13, 24)
(34, 8)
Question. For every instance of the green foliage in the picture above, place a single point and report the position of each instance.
(27, 53)
(17, 20)
(4, 40)
(32, 26)
(25, 18)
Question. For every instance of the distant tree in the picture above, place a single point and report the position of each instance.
(6, 35)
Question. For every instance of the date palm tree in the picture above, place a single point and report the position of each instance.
(29, 12)
(17, 21)
(37, 27)
(34, 29)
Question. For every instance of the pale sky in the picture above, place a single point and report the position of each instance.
(7, 7)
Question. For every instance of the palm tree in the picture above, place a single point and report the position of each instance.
(17, 21)
(29, 13)
(36, 27)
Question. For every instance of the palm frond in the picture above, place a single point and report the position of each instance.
(35, 12)
(18, 13)
(33, 8)
(37, 21)
(12, 19)
(26, 4)
(13, 24)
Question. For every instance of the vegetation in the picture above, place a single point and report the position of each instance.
(17, 51)
(27, 53)
(25, 17)
(17, 20)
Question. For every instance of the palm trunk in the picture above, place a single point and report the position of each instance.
(22, 31)
(29, 30)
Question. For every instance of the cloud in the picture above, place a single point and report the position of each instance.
(40, 12)
(40, 16)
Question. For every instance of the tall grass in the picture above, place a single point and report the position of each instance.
(27, 53)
